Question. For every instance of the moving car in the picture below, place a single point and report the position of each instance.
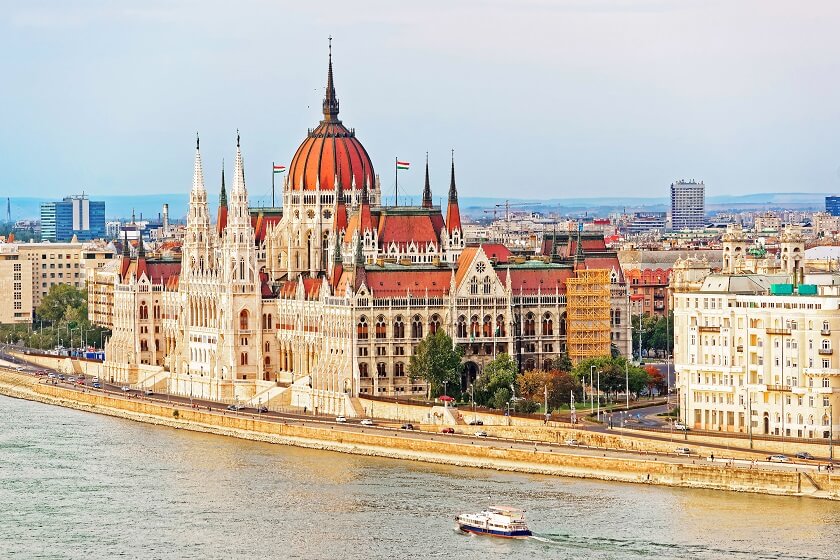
(340, 419)
(778, 459)
(682, 451)
(125, 388)
(262, 409)
(571, 441)
(407, 427)
(480, 433)
(148, 392)
(448, 431)
(366, 422)
(476, 423)
(680, 426)
(96, 385)
(804, 455)
(235, 407)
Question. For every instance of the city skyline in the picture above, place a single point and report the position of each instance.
(608, 97)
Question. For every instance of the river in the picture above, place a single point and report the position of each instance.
(79, 485)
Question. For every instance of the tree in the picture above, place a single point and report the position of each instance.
(613, 378)
(655, 380)
(499, 373)
(63, 302)
(436, 361)
(561, 385)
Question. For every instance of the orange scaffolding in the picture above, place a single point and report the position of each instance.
(588, 314)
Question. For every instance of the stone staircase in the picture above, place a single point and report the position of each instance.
(277, 395)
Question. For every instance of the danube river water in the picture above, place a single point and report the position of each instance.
(79, 485)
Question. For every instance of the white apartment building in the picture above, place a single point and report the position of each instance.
(688, 205)
(755, 353)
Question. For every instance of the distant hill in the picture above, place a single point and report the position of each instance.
(149, 205)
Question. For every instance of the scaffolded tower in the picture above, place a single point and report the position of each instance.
(588, 314)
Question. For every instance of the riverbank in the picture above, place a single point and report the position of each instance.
(430, 448)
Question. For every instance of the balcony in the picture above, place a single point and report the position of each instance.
(709, 329)
(825, 351)
(780, 388)
(778, 331)
(739, 348)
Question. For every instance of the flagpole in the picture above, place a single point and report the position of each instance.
(396, 180)
(272, 184)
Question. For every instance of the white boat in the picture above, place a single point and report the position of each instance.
(496, 521)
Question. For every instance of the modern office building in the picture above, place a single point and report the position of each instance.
(75, 215)
(688, 205)
(832, 205)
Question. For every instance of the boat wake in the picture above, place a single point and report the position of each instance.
(630, 548)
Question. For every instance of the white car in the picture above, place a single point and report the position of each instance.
(680, 426)
(778, 459)
(481, 433)
(125, 388)
(366, 422)
(572, 442)
(341, 419)
(682, 451)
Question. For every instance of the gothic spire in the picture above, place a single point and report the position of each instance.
(223, 193)
(453, 192)
(198, 173)
(337, 252)
(126, 251)
(427, 189)
(330, 99)
(238, 170)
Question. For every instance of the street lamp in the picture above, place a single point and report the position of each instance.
(749, 416)
(472, 398)
(599, 395)
(591, 386)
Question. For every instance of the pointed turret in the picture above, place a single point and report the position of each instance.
(330, 99)
(221, 218)
(126, 249)
(359, 258)
(579, 259)
(453, 215)
(365, 220)
(340, 221)
(239, 216)
(198, 173)
(427, 189)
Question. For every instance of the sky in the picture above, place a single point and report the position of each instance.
(538, 98)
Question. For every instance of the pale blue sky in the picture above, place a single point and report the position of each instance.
(538, 98)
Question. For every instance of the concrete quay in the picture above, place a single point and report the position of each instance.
(494, 453)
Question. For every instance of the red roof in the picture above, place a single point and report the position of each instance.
(395, 282)
(528, 280)
(403, 229)
(311, 289)
(221, 220)
(496, 251)
(260, 223)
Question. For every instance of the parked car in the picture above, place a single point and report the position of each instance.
(340, 419)
(481, 433)
(52, 375)
(778, 459)
(71, 379)
(96, 385)
(366, 422)
(263, 409)
(476, 423)
(682, 451)
(80, 381)
(407, 427)
(571, 441)
(804, 455)
(448, 431)
(680, 426)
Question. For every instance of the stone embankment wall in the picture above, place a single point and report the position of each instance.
(401, 446)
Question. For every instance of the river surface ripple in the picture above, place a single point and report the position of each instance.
(80, 485)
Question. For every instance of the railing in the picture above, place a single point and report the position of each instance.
(739, 348)
(709, 329)
(778, 331)
(782, 388)
(825, 351)
(825, 332)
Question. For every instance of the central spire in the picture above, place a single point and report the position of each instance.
(330, 99)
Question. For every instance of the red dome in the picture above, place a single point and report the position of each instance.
(330, 151)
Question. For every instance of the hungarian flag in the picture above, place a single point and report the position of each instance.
(402, 164)
(279, 169)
